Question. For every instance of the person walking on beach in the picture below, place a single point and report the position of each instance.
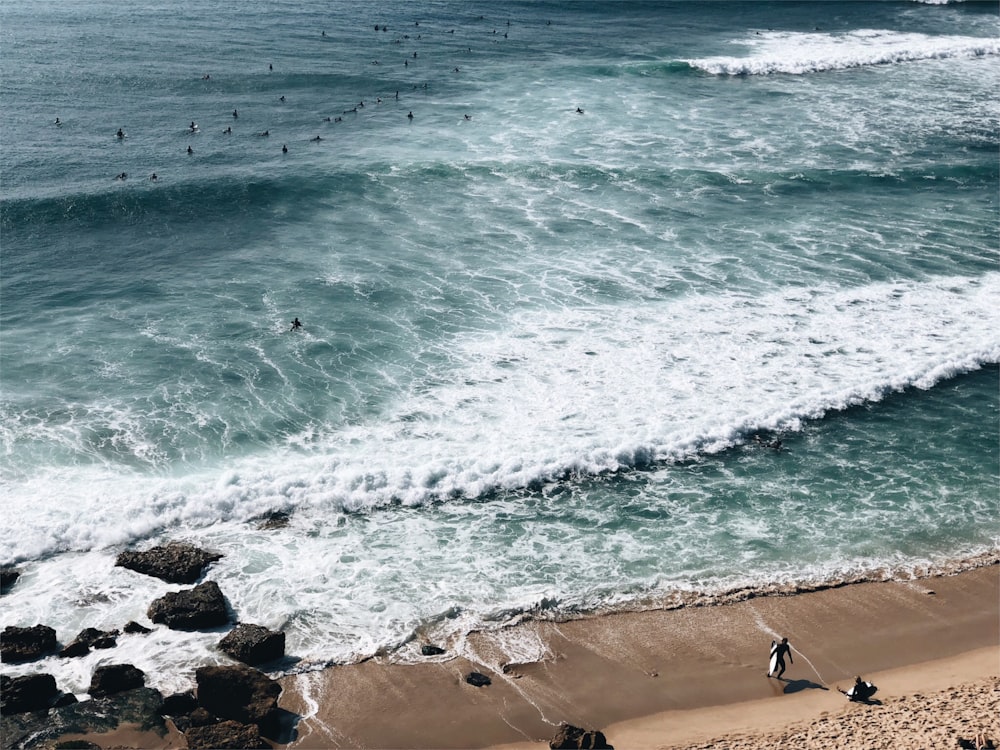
(778, 653)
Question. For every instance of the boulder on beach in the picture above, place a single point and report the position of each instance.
(225, 734)
(204, 606)
(89, 638)
(569, 737)
(431, 650)
(179, 704)
(241, 694)
(115, 678)
(31, 692)
(478, 679)
(175, 562)
(26, 644)
(253, 644)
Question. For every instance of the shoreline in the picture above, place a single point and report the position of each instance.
(666, 674)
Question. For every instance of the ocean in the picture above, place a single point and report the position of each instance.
(554, 323)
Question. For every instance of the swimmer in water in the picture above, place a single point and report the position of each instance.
(296, 324)
(410, 116)
(235, 114)
(190, 150)
(317, 138)
(153, 177)
(284, 149)
(228, 131)
(121, 133)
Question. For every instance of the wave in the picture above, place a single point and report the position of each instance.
(773, 364)
(798, 53)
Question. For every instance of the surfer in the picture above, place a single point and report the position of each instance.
(228, 131)
(190, 150)
(284, 149)
(235, 114)
(296, 324)
(860, 691)
(778, 653)
(121, 133)
(579, 111)
(58, 122)
(410, 116)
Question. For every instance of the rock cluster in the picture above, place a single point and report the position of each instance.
(233, 707)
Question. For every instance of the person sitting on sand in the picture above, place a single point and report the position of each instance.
(860, 691)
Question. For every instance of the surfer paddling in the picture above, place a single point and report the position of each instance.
(778, 653)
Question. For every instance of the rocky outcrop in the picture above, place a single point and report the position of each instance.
(26, 644)
(33, 692)
(133, 627)
(253, 644)
(140, 708)
(430, 650)
(277, 519)
(174, 563)
(572, 738)
(89, 638)
(225, 734)
(8, 577)
(115, 678)
(241, 694)
(204, 606)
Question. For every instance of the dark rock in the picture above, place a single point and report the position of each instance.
(26, 644)
(429, 650)
(115, 678)
(90, 638)
(204, 606)
(197, 718)
(32, 692)
(76, 745)
(65, 699)
(241, 694)
(174, 563)
(478, 679)
(275, 520)
(225, 734)
(133, 627)
(570, 737)
(8, 577)
(140, 708)
(179, 704)
(253, 644)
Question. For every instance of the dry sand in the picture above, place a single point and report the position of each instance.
(693, 677)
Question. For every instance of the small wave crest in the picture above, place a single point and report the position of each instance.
(797, 53)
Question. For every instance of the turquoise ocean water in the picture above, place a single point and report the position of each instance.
(538, 343)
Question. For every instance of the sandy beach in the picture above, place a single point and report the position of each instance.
(693, 677)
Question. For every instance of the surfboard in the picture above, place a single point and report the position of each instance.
(773, 664)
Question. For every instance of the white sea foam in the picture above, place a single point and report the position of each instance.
(605, 388)
(797, 53)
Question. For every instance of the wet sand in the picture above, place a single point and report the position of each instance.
(683, 677)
